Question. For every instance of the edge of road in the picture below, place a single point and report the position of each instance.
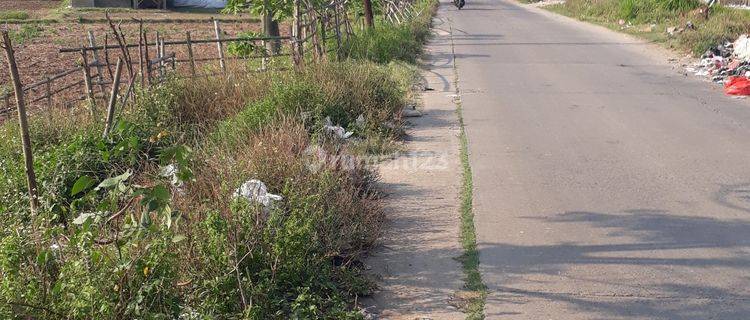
(470, 258)
(418, 262)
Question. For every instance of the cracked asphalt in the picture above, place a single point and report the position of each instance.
(607, 184)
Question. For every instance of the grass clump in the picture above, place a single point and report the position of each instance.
(25, 33)
(14, 15)
(388, 42)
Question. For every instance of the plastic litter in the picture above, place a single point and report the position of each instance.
(170, 171)
(737, 86)
(742, 47)
(338, 131)
(256, 191)
(723, 61)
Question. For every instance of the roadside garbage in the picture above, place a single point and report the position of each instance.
(737, 86)
(256, 191)
(338, 131)
(672, 31)
(727, 63)
(742, 47)
(170, 172)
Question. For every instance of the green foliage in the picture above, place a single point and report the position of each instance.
(144, 223)
(388, 42)
(246, 49)
(723, 24)
(14, 15)
(25, 33)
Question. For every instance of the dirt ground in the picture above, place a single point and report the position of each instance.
(37, 9)
(37, 44)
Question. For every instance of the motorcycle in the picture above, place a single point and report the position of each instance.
(459, 3)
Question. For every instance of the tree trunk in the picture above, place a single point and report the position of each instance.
(368, 14)
(271, 29)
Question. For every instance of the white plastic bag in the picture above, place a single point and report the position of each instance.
(338, 131)
(256, 191)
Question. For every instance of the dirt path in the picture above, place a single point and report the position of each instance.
(420, 276)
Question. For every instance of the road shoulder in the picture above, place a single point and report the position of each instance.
(416, 261)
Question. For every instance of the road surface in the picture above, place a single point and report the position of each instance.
(606, 184)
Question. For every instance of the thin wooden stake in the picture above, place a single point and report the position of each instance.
(48, 86)
(23, 122)
(297, 49)
(162, 64)
(106, 55)
(219, 45)
(87, 82)
(337, 29)
(190, 53)
(140, 52)
(99, 77)
(147, 58)
(113, 98)
(158, 51)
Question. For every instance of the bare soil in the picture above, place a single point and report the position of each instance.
(38, 53)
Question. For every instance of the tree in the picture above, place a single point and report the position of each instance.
(271, 12)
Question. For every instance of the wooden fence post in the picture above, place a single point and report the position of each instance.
(87, 82)
(322, 36)
(147, 58)
(23, 122)
(191, 57)
(99, 77)
(158, 50)
(162, 64)
(369, 19)
(141, 67)
(48, 87)
(337, 21)
(219, 45)
(298, 49)
(113, 98)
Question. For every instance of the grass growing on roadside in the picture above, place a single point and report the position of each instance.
(193, 251)
(121, 235)
(723, 24)
(388, 42)
(470, 257)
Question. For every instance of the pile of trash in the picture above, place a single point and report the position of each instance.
(728, 64)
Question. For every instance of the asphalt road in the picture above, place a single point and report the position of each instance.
(607, 185)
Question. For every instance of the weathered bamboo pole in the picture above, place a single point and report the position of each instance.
(23, 123)
(140, 53)
(147, 58)
(113, 98)
(219, 46)
(48, 87)
(190, 52)
(87, 82)
(99, 76)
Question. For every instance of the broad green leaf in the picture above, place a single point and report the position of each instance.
(108, 183)
(81, 219)
(82, 184)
